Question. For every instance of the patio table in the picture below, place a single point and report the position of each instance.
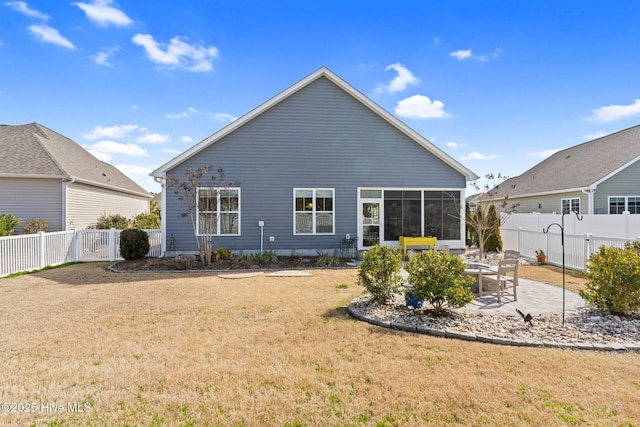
(476, 270)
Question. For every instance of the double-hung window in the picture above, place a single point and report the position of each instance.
(569, 205)
(313, 211)
(218, 211)
(619, 204)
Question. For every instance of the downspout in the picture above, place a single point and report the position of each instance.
(590, 192)
(163, 210)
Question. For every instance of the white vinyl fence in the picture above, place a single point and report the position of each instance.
(35, 251)
(524, 233)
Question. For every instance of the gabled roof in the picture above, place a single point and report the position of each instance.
(322, 72)
(34, 151)
(583, 166)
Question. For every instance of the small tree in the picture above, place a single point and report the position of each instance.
(117, 221)
(146, 221)
(8, 223)
(483, 223)
(201, 208)
(35, 225)
(438, 278)
(379, 272)
(494, 240)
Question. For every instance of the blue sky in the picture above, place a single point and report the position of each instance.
(498, 85)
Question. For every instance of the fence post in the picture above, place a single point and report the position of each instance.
(112, 244)
(41, 250)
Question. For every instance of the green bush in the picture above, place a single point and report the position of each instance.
(379, 272)
(438, 278)
(265, 257)
(220, 253)
(327, 261)
(146, 221)
(614, 279)
(134, 244)
(117, 221)
(8, 223)
(35, 225)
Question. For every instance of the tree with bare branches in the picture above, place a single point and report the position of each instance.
(200, 193)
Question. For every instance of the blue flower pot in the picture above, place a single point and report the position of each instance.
(412, 300)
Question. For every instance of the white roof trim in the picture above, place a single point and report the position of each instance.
(615, 172)
(528, 195)
(322, 72)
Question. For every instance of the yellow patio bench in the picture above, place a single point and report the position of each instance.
(412, 242)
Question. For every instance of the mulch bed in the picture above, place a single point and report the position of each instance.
(173, 264)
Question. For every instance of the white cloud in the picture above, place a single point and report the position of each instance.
(102, 57)
(479, 156)
(50, 35)
(461, 54)
(186, 139)
(110, 132)
(22, 7)
(176, 116)
(100, 156)
(590, 137)
(112, 147)
(421, 107)
(139, 174)
(103, 14)
(610, 113)
(171, 150)
(153, 138)
(455, 145)
(177, 53)
(468, 54)
(224, 117)
(400, 82)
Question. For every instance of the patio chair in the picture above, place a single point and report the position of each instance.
(511, 254)
(501, 280)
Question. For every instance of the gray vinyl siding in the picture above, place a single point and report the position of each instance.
(548, 203)
(32, 198)
(85, 204)
(319, 137)
(624, 183)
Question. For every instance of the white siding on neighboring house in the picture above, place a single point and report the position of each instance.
(547, 203)
(28, 198)
(85, 204)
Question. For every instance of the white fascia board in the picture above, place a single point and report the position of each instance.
(612, 173)
(526, 196)
(110, 187)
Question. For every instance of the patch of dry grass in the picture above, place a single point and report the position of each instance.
(194, 349)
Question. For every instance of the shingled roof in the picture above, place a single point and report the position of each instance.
(578, 167)
(33, 150)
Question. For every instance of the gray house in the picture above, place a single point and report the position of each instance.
(318, 164)
(601, 176)
(47, 176)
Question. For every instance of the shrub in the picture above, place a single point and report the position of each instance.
(35, 225)
(327, 261)
(117, 221)
(134, 244)
(614, 279)
(146, 221)
(8, 223)
(379, 272)
(220, 253)
(494, 239)
(438, 278)
(265, 257)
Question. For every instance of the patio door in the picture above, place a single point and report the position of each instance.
(370, 222)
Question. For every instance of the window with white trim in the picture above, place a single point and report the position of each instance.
(619, 204)
(218, 211)
(572, 204)
(313, 211)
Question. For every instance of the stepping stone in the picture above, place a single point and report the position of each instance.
(289, 273)
(239, 275)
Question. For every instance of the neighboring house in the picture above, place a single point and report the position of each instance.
(597, 177)
(317, 163)
(48, 176)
